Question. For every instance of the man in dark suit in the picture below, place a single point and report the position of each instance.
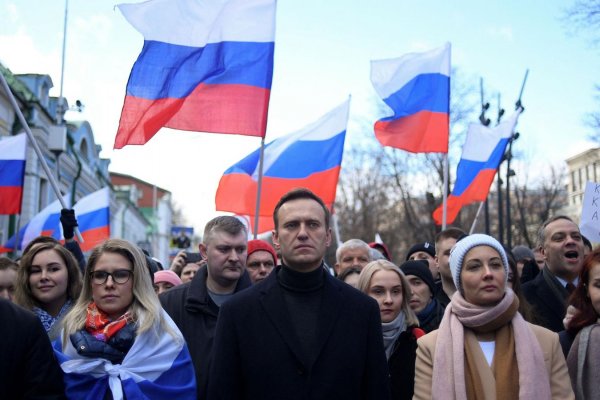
(300, 333)
(28, 367)
(562, 247)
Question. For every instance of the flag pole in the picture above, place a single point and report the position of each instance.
(446, 162)
(36, 147)
(445, 192)
(259, 186)
(476, 217)
(336, 230)
(17, 239)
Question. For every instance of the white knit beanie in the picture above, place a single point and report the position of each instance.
(462, 247)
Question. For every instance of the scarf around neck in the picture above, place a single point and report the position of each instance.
(449, 362)
(391, 331)
(48, 320)
(99, 324)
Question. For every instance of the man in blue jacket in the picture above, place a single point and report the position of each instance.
(300, 333)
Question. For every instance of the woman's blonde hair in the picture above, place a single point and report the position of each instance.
(23, 294)
(145, 308)
(364, 282)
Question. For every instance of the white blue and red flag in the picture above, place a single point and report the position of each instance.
(205, 66)
(157, 366)
(482, 153)
(309, 158)
(12, 173)
(416, 87)
(93, 217)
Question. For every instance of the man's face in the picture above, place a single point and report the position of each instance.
(225, 256)
(301, 234)
(8, 280)
(563, 248)
(259, 265)
(189, 271)
(442, 256)
(349, 257)
(433, 267)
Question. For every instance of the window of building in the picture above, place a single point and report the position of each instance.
(83, 150)
(43, 194)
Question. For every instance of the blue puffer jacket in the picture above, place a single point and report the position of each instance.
(114, 350)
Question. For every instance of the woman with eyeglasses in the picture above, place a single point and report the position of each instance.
(48, 283)
(117, 342)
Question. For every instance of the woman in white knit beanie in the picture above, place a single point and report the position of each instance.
(484, 349)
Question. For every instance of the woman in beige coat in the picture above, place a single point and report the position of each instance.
(484, 349)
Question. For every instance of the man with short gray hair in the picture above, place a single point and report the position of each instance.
(353, 253)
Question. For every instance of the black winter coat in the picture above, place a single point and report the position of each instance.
(549, 304)
(402, 365)
(261, 357)
(28, 367)
(195, 314)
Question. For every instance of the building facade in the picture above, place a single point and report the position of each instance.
(73, 157)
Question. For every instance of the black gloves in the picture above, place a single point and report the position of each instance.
(68, 222)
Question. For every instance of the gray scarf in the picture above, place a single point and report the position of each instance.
(391, 331)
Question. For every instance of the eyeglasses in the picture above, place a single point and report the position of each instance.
(119, 276)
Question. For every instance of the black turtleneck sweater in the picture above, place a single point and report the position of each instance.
(302, 293)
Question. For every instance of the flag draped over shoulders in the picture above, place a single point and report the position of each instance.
(158, 366)
(205, 66)
(309, 158)
(416, 87)
(482, 154)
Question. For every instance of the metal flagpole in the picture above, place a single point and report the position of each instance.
(259, 186)
(445, 192)
(336, 230)
(446, 166)
(476, 217)
(36, 147)
(18, 225)
(61, 100)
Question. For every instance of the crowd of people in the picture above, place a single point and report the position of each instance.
(462, 317)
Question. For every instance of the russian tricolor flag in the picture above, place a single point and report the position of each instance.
(12, 173)
(93, 217)
(416, 86)
(482, 153)
(205, 66)
(309, 158)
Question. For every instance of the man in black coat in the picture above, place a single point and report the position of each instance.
(194, 306)
(28, 368)
(299, 334)
(562, 248)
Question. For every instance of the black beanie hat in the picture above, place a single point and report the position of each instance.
(427, 247)
(420, 269)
